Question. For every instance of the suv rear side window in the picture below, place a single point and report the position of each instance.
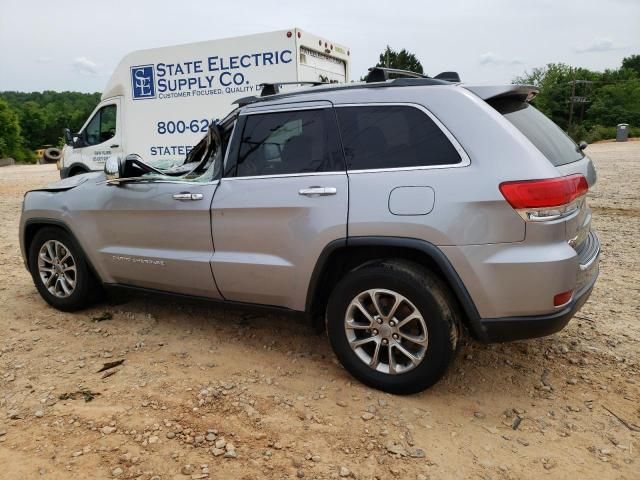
(542, 132)
(299, 141)
(392, 137)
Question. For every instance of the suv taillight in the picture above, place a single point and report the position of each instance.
(548, 199)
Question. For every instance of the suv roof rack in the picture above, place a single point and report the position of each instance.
(377, 78)
(274, 88)
(449, 77)
(381, 74)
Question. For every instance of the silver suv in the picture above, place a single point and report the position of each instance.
(394, 212)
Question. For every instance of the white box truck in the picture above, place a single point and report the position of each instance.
(159, 102)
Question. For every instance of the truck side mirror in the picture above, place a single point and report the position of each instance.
(68, 138)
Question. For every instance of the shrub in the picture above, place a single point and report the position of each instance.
(599, 132)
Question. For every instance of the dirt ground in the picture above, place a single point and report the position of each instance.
(213, 392)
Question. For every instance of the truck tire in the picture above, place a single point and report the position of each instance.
(77, 171)
(393, 325)
(60, 271)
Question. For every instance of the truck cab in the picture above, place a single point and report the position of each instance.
(99, 138)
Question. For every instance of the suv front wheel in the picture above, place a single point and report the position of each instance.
(393, 326)
(60, 271)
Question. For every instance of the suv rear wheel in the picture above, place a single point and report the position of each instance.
(393, 326)
(60, 271)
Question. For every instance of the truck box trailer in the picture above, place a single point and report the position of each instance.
(160, 102)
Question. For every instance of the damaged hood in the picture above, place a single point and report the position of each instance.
(68, 183)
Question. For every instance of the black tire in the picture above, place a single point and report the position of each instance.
(432, 299)
(87, 289)
(52, 155)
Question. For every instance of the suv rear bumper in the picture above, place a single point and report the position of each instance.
(519, 328)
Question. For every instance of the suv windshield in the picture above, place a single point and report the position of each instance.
(542, 132)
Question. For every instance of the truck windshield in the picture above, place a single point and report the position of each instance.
(545, 135)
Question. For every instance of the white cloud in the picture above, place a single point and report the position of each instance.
(491, 58)
(84, 66)
(599, 45)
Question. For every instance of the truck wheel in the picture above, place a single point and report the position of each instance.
(393, 326)
(77, 171)
(60, 271)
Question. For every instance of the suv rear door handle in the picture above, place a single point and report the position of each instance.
(317, 191)
(187, 196)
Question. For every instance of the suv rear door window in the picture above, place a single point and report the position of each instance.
(376, 137)
(299, 141)
(547, 137)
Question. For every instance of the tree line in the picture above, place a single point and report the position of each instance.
(29, 121)
(601, 100)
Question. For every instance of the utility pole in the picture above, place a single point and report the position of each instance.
(573, 94)
(580, 99)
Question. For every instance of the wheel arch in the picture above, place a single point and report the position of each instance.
(343, 255)
(77, 168)
(34, 225)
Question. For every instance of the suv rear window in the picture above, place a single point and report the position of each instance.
(391, 137)
(547, 137)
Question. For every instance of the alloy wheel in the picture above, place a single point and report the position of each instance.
(386, 331)
(57, 268)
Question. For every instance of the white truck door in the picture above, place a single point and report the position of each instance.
(101, 136)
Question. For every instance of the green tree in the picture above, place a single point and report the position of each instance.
(632, 63)
(10, 139)
(613, 96)
(617, 103)
(32, 121)
(43, 115)
(402, 60)
(555, 84)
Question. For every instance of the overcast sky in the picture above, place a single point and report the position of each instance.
(74, 45)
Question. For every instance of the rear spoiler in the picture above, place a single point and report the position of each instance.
(526, 93)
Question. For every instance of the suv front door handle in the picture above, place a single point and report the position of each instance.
(317, 191)
(187, 196)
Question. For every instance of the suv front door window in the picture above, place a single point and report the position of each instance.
(293, 142)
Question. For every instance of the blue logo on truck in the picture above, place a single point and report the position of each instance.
(143, 82)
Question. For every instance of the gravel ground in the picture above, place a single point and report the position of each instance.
(213, 392)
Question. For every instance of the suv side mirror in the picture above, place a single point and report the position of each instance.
(113, 168)
(583, 145)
